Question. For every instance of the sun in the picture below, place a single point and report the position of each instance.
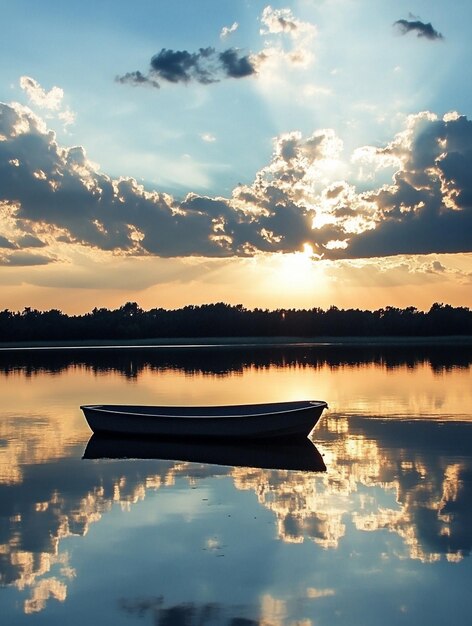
(308, 250)
(294, 279)
(299, 267)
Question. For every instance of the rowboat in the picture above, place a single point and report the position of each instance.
(275, 419)
(298, 454)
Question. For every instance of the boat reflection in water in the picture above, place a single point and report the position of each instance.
(295, 454)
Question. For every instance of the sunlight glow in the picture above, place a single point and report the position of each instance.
(298, 273)
(308, 250)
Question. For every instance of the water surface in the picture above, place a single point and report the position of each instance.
(381, 533)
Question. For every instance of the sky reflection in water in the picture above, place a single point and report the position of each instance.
(382, 536)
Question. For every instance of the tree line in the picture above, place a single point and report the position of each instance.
(223, 320)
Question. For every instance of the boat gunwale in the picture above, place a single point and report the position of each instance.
(309, 404)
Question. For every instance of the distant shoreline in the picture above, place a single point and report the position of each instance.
(223, 324)
(215, 342)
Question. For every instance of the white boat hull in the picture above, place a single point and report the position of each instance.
(281, 419)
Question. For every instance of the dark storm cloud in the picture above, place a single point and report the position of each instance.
(180, 66)
(45, 188)
(421, 29)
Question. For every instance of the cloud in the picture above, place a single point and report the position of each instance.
(226, 31)
(208, 137)
(208, 65)
(307, 194)
(429, 206)
(205, 67)
(277, 26)
(137, 78)
(51, 100)
(30, 241)
(6, 243)
(236, 66)
(421, 29)
(277, 21)
(435, 268)
(22, 259)
(58, 191)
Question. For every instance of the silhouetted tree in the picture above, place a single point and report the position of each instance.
(220, 319)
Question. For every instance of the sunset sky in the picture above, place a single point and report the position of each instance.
(296, 154)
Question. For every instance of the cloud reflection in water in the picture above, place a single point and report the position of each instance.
(405, 479)
(431, 485)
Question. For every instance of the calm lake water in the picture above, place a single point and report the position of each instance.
(382, 536)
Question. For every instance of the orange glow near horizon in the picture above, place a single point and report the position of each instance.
(295, 280)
